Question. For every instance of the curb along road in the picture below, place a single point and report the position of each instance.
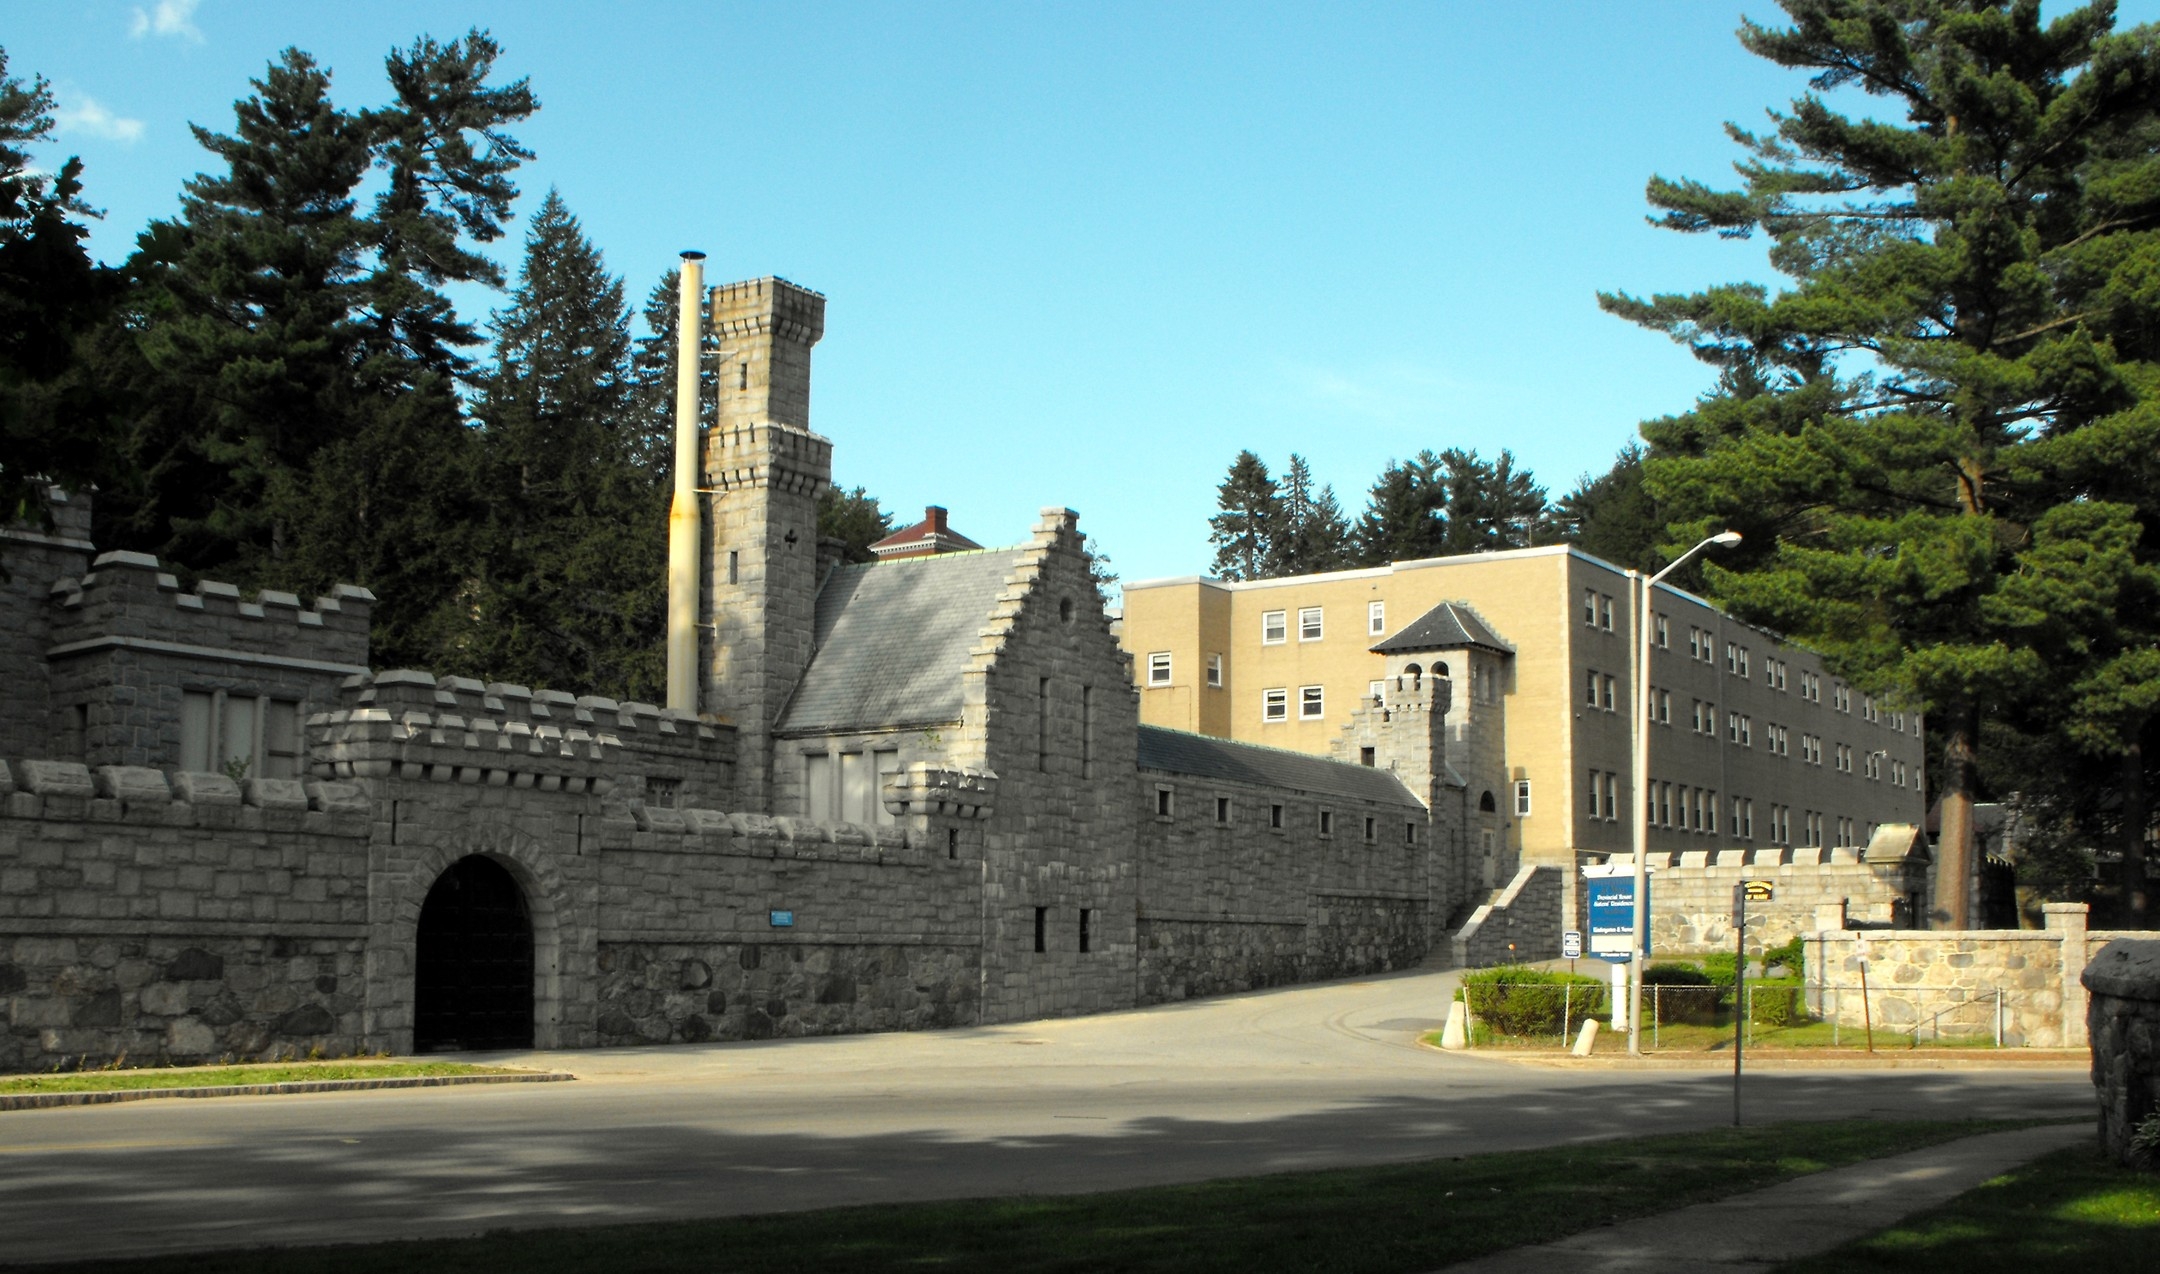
(46, 1101)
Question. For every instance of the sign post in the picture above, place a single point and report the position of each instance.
(1612, 930)
(1745, 892)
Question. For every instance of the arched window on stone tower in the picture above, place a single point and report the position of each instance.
(1487, 805)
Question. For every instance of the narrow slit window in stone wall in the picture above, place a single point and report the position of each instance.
(1042, 929)
(1087, 732)
(1042, 723)
(1086, 937)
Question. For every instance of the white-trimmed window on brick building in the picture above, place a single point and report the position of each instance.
(242, 735)
(848, 787)
(1740, 729)
(1743, 818)
(1309, 627)
(1376, 619)
(1840, 696)
(1811, 687)
(1777, 739)
(1704, 717)
(1781, 824)
(1844, 758)
(1311, 703)
(1605, 612)
(1811, 828)
(1158, 668)
(1661, 632)
(1522, 798)
(1214, 672)
(1811, 749)
(1589, 608)
(1845, 833)
(1274, 627)
(1275, 704)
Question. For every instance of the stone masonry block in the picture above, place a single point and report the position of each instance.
(202, 790)
(274, 794)
(56, 778)
(132, 783)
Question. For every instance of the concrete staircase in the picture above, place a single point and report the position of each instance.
(1515, 925)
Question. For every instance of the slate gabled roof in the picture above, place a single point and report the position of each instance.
(1206, 757)
(1448, 626)
(892, 641)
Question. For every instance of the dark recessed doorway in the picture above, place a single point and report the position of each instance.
(473, 971)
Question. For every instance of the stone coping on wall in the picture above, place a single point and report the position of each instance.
(69, 790)
(1778, 856)
(470, 701)
(644, 829)
(345, 606)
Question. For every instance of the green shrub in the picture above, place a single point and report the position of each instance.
(1515, 1000)
(1720, 965)
(1793, 955)
(1671, 974)
(1777, 1001)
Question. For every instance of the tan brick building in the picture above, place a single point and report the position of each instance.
(1753, 743)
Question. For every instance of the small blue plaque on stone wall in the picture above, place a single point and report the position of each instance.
(783, 920)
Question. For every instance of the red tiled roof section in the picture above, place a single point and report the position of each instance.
(931, 535)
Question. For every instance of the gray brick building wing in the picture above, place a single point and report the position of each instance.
(1202, 756)
(893, 641)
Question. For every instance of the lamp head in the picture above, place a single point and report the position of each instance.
(1726, 537)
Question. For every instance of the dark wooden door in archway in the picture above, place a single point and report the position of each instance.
(473, 970)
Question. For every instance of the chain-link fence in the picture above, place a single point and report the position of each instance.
(1780, 1012)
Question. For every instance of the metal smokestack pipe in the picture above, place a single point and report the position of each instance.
(684, 529)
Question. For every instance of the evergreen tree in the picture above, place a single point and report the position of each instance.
(1940, 431)
(1490, 504)
(854, 519)
(1244, 530)
(570, 581)
(1310, 533)
(1405, 513)
(289, 364)
(653, 365)
(1610, 515)
(51, 424)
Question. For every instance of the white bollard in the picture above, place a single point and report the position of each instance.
(1453, 1035)
(1586, 1038)
(1619, 996)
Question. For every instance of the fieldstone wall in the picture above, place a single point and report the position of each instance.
(1947, 981)
(1691, 894)
(2123, 1020)
(179, 917)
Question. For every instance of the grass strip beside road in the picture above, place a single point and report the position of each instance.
(1390, 1219)
(2070, 1210)
(110, 1081)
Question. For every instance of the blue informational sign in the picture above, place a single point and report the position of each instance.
(783, 920)
(1612, 917)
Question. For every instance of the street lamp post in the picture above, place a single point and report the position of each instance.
(1639, 702)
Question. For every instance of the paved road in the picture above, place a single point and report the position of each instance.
(1298, 1078)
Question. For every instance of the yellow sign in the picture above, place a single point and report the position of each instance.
(1755, 890)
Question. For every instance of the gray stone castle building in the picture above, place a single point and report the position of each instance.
(915, 794)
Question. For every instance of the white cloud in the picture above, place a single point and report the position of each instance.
(170, 19)
(88, 115)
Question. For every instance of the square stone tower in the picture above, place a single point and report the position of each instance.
(764, 472)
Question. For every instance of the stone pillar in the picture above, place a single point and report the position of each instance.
(764, 470)
(2068, 919)
(2125, 1030)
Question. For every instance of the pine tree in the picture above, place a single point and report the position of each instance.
(1405, 513)
(1490, 505)
(1310, 533)
(52, 426)
(853, 518)
(569, 588)
(1948, 404)
(1245, 528)
(1610, 515)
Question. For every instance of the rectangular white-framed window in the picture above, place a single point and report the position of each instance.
(1590, 687)
(1595, 776)
(1844, 758)
(1664, 707)
(1311, 703)
(1610, 700)
(1589, 608)
(1605, 611)
(1376, 619)
(1158, 668)
(1522, 797)
(1709, 811)
(1663, 633)
(1308, 623)
(1274, 627)
(1275, 704)
(1214, 672)
(1612, 797)
(1375, 691)
(1664, 804)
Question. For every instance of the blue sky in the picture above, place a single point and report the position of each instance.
(1076, 254)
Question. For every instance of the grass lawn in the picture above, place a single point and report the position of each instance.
(1400, 1218)
(223, 1076)
(1693, 1037)
(2067, 1211)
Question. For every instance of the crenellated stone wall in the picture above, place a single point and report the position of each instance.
(180, 917)
(1691, 894)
